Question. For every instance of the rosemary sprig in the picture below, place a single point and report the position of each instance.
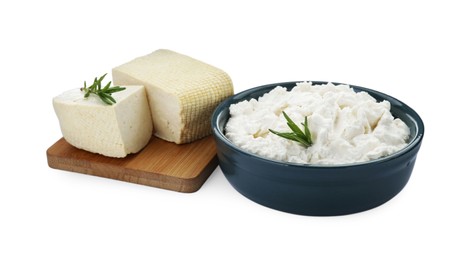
(297, 135)
(105, 94)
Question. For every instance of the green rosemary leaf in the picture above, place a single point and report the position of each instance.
(308, 135)
(114, 89)
(105, 94)
(102, 77)
(297, 135)
(290, 136)
(109, 96)
(107, 86)
(292, 125)
(303, 141)
(105, 98)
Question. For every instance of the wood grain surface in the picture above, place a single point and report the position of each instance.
(161, 164)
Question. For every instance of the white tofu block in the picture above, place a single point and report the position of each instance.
(182, 92)
(111, 130)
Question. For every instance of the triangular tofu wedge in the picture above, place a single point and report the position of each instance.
(111, 130)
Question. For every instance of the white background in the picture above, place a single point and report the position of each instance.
(421, 52)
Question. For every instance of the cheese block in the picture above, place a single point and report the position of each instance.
(111, 130)
(182, 92)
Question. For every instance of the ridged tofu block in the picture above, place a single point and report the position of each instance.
(182, 92)
(111, 130)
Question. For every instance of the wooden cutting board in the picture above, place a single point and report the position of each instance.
(160, 164)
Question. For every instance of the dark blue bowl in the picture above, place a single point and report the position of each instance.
(316, 190)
